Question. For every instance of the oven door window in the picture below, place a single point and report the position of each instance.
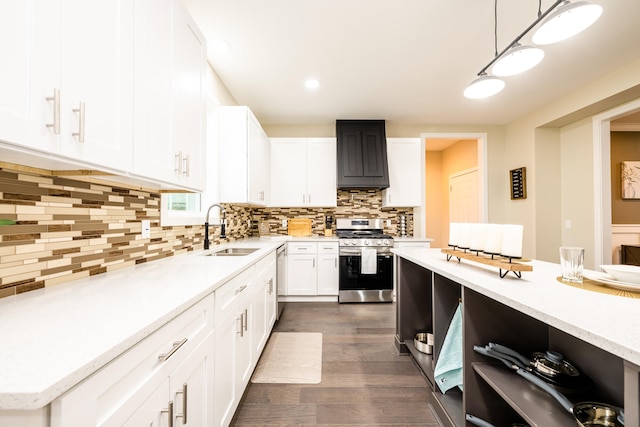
(352, 279)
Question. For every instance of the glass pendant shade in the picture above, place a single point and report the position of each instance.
(484, 87)
(517, 60)
(568, 20)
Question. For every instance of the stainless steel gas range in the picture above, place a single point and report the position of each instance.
(366, 261)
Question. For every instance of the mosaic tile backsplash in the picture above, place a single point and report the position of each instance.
(66, 229)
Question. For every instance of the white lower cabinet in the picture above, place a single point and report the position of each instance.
(312, 268)
(137, 387)
(245, 314)
(190, 372)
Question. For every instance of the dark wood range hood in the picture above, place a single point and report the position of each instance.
(362, 154)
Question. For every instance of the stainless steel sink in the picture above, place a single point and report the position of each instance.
(232, 252)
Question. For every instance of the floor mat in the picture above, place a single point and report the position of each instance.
(291, 358)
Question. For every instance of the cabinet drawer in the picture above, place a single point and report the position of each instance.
(296, 248)
(328, 248)
(143, 367)
(232, 291)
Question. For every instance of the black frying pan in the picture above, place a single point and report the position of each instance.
(586, 414)
(550, 366)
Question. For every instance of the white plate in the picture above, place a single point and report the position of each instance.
(610, 281)
(623, 272)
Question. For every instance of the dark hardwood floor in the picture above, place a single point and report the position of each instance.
(364, 381)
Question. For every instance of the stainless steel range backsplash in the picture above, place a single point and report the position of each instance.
(351, 203)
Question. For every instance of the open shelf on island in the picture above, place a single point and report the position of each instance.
(450, 410)
(424, 361)
(534, 405)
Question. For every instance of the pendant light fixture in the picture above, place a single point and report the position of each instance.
(567, 21)
(484, 87)
(561, 21)
(517, 60)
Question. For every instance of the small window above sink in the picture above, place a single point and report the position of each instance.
(232, 252)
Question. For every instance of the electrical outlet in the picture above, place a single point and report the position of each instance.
(249, 223)
(567, 225)
(146, 228)
(388, 223)
(284, 223)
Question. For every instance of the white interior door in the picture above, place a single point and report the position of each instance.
(463, 197)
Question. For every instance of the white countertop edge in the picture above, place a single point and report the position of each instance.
(467, 274)
(42, 395)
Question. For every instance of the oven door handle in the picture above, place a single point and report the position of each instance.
(351, 251)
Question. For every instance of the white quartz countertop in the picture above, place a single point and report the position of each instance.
(55, 337)
(610, 322)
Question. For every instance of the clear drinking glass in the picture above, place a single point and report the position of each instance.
(571, 263)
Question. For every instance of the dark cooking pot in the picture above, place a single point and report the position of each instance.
(550, 366)
(586, 414)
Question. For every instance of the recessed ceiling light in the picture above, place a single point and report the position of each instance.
(218, 46)
(312, 84)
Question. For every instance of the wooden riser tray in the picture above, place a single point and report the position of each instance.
(517, 267)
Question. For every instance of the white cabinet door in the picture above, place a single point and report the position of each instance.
(170, 72)
(188, 107)
(97, 82)
(192, 387)
(151, 414)
(30, 30)
(244, 353)
(303, 172)
(328, 268)
(259, 166)
(288, 172)
(224, 398)
(245, 172)
(405, 183)
(302, 274)
(321, 172)
(153, 149)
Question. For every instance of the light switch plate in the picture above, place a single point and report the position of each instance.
(284, 223)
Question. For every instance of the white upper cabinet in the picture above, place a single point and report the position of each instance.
(88, 78)
(303, 172)
(405, 182)
(69, 89)
(97, 82)
(31, 38)
(170, 74)
(245, 168)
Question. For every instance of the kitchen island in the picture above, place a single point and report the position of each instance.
(55, 339)
(598, 332)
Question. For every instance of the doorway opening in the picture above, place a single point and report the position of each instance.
(606, 241)
(446, 156)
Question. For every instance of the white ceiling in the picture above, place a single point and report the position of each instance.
(406, 61)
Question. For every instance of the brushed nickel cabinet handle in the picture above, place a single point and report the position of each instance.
(81, 122)
(177, 162)
(183, 415)
(176, 345)
(169, 411)
(56, 111)
(240, 321)
(245, 325)
(240, 289)
(185, 161)
(309, 198)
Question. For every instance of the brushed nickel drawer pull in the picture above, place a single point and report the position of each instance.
(240, 289)
(169, 411)
(183, 415)
(176, 345)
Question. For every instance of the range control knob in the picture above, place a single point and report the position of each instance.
(366, 242)
(385, 242)
(378, 243)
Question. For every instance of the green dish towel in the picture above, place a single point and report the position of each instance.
(448, 371)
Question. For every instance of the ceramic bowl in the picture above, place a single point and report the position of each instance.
(623, 272)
